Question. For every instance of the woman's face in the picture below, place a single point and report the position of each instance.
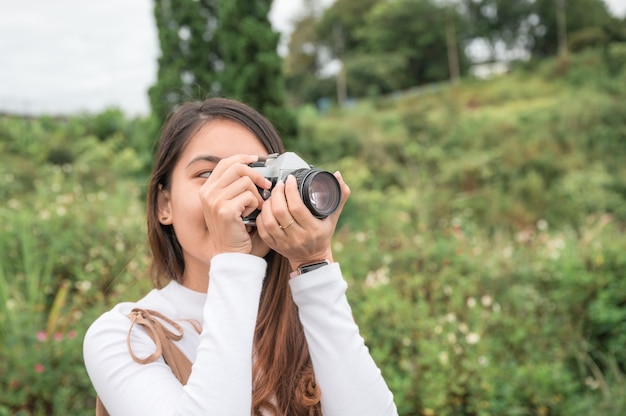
(216, 140)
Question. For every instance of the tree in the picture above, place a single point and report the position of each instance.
(189, 64)
(220, 48)
(498, 22)
(303, 62)
(349, 16)
(580, 15)
(383, 45)
(533, 25)
(252, 67)
(413, 31)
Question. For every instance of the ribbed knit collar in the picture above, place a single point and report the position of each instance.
(188, 303)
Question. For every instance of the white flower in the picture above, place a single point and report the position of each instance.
(472, 338)
(592, 383)
(542, 225)
(120, 246)
(13, 203)
(83, 285)
(486, 301)
(376, 278)
(443, 357)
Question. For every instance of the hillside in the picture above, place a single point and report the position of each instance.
(483, 241)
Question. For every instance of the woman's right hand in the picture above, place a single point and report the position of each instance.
(230, 193)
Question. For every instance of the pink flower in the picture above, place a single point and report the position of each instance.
(58, 336)
(39, 368)
(71, 334)
(41, 336)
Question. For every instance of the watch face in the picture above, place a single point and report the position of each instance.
(310, 267)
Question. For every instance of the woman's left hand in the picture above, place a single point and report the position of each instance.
(288, 227)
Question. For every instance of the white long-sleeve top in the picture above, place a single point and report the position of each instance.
(221, 378)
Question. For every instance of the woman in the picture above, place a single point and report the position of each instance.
(273, 341)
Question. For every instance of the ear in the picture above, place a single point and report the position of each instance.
(164, 206)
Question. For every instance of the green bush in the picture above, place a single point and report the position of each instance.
(483, 241)
(70, 245)
(477, 243)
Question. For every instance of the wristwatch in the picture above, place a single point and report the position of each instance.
(305, 268)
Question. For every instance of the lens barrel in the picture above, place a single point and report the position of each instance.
(319, 190)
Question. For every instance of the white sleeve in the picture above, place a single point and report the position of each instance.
(348, 377)
(221, 377)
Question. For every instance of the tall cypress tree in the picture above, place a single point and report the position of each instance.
(219, 48)
(188, 61)
(253, 69)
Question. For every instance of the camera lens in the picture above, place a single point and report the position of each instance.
(319, 190)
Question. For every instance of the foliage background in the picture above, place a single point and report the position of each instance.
(483, 243)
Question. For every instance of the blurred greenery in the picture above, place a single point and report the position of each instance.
(374, 47)
(483, 242)
(219, 48)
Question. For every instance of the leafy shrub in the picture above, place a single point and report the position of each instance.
(475, 242)
(70, 246)
(483, 242)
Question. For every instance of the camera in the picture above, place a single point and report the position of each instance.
(319, 190)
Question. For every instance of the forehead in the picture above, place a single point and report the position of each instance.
(222, 139)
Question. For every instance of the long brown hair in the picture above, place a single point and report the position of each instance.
(283, 378)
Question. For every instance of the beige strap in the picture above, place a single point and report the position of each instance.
(163, 338)
(157, 331)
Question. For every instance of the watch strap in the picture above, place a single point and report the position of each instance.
(305, 268)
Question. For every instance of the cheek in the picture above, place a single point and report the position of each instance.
(187, 207)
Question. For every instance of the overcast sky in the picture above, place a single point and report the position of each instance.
(66, 56)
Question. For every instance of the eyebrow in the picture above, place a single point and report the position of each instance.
(204, 158)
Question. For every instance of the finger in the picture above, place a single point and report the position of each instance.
(242, 159)
(345, 191)
(280, 208)
(241, 185)
(270, 222)
(237, 171)
(241, 205)
(294, 201)
(246, 203)
(219, 200)
(265, 222)
(229, 169)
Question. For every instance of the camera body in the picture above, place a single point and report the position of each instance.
(320, 191)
